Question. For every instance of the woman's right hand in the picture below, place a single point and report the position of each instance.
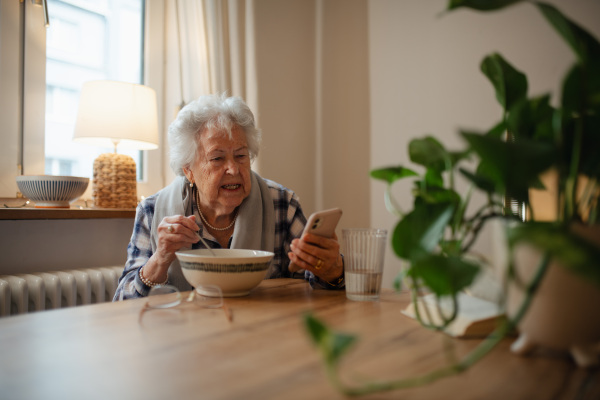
(174, 233)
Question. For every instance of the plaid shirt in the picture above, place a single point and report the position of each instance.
(289, 224)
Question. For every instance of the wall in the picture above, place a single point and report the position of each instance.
(49, 245)
(313, 102)
(345, 111)
(285, 40)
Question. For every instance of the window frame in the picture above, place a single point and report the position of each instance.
(23, 77)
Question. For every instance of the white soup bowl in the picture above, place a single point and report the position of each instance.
(235, 271)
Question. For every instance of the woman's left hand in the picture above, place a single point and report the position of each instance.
(319, 255)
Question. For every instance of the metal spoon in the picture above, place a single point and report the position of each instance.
(212, 253)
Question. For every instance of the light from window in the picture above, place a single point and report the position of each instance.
(87, 40)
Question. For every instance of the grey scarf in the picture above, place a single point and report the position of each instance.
(254, 227)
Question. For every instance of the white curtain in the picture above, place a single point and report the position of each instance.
(213, 42)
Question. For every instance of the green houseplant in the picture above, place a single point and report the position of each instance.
(564, 139)
(531, 137)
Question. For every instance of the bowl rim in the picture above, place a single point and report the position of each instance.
(51, 177)
(259, 256)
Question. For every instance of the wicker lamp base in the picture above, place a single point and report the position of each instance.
(114, 184)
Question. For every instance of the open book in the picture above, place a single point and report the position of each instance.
(476, 317)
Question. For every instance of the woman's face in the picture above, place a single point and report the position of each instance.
(221, 170)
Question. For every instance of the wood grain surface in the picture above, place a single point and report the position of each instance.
(105, 351)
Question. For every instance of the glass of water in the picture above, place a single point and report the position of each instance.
(364, 253)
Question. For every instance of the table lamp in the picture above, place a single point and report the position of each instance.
(115, 114)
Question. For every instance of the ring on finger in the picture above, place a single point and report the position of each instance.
(170, 229)
(319, 264)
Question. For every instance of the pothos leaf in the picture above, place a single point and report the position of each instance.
(482, 182)
(392, 174)
(481, 5)
(317, 330)
(436, 195)
(444, 275)
(585, 46)
(512, 166)
(430, 153)
(421, 229)
(532, 119)
(333, 345)
(340, 343)
(509, 83)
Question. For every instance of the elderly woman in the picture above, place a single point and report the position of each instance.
(217, 196)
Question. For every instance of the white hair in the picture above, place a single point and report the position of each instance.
(213, 112)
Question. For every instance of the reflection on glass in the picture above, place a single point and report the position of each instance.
(167, 296)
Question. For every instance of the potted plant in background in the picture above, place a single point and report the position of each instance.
(565, 139)
(531, 138)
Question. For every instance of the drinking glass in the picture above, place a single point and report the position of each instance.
(364, 253)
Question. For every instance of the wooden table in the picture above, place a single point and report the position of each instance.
(103, 352)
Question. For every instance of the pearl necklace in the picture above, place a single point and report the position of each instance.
(206, 222)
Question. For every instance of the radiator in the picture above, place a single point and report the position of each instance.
(23, 293)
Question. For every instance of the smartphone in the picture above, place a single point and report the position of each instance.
(322, 223)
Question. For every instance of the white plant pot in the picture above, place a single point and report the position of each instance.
(564, 314)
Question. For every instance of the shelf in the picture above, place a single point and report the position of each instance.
(65, 213)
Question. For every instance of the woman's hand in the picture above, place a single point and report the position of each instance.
(174, 233)
(319, 255)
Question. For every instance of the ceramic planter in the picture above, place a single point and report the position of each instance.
(564, 314)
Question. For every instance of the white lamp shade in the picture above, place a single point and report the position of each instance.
(117, 112)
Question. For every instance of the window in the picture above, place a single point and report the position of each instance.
(86, 40)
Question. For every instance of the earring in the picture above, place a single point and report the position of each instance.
(191, 184)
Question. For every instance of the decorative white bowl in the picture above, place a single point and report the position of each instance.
(49, 191)
(235, 271)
